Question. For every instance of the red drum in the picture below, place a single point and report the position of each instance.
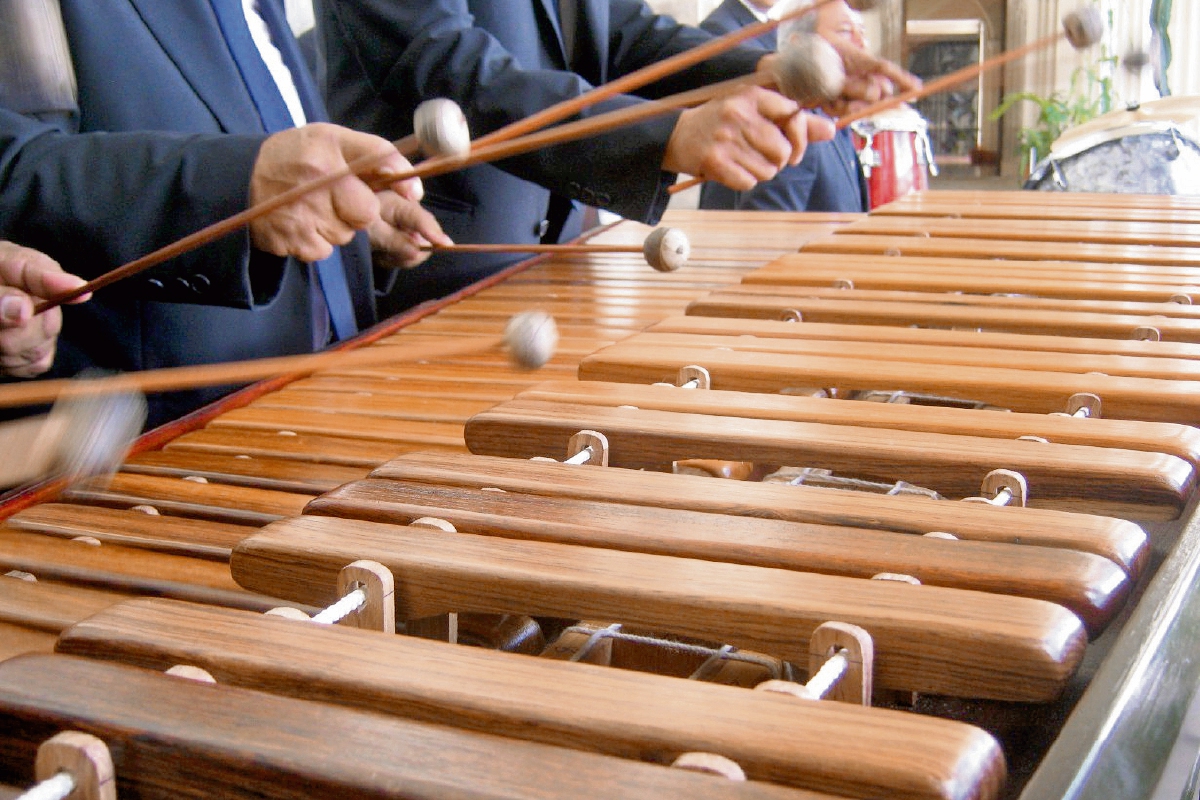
(895, 153)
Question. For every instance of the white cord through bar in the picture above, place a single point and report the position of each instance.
(339, 610)
(828, 675)
(56, 788)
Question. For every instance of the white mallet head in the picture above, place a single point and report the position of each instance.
(1083, 27)
(666, 249)
(442, 130)
(808, 69)
(531, 337)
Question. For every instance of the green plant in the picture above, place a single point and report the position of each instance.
(1090, 95)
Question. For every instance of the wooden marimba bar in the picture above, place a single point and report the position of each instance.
(988, 621)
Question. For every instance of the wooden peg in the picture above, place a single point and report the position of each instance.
(194, 673)
(85, 758)
(593, 443)
(998, 481)
(1083, 404)
(711, 764)
(857, 647)
(379, 611)
(692, 372)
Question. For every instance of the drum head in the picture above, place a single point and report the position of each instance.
(1144, 149)
(1151, 162)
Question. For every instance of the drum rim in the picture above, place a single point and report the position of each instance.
(1076, 145)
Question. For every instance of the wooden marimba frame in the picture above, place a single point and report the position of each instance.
(196, 495)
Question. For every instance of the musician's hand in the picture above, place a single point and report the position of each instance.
(313, 224)
(402, 231)
(743, 138)
(27, 342)
(868, 79)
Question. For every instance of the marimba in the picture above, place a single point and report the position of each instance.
(1051, 636)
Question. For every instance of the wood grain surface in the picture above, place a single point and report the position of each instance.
(1155, 437)
(928, 638)
(1120, 541)
(822, 331)
(1039, 392)
(1093, 587)
(998, 248)
(172, 737)
(1125, 483)
(832, 747)
(842, 308)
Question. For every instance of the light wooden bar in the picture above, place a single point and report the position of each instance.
(842, 308)
(172, 737)
(986, 645)
(1004, 249)
(1180, 369)
(1118, 540)
(1124, 483)
(1155, 437)
(772, 737)
(830, 331)
(1006, 302)
(1146, 399)
(1116, 232)
(1089, 585)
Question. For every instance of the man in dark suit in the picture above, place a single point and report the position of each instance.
(187, 113)
(829, 177)
(503, 60)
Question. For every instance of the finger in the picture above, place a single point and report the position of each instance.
(819, 129)
(902, 79)
(16, 308)
(354, 203)
(412, 217)
(863, 89)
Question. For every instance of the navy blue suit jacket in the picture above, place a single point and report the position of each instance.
(502, 60)
(828, 178)
(164, 144)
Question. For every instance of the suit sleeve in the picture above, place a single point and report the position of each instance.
(95, 201)
(790, 190)
(409, 51)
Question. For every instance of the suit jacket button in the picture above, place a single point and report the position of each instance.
(155, 283)
(200, 283)
(541, 228)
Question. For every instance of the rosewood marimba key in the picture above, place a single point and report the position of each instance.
(998, 340)
(1153, 437)
(1116, 232)
(1050, 205)
(1125, 483)
(1089, 585)
(1124, 366)
(1148, 399)
(771, 737)
(173, 737)
(843, 308)
(997, 248)
(927, 638)
(1071, 279)
(1179, 313)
